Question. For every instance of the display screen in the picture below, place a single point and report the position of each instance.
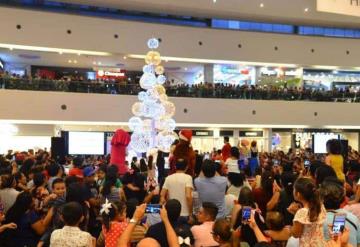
(320, 140)
(234, 74)
(88, 143)
(339, 223)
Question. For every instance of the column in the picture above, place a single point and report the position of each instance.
(209, 73)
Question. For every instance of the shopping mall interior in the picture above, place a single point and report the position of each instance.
(273, 83)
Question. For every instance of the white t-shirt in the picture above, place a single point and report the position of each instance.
(175, 184)
(232, 165)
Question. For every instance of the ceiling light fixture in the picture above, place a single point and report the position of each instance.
(215, 61)
(69, 61)
(75, 61)
(306, 9)
(214, 1)
(125, 57)
(262, 5)
(51, 49)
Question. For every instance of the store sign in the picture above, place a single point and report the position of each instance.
(226, 133)
(251, 133)
(102, 73)
(345, 7)
(200, 133)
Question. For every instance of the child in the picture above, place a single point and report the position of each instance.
(114, 222)
(56, 200)
(308, 221)
(71, 235)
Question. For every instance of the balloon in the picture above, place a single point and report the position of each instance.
(142, 96)
(148, 69)
(140, 141)
(153, 43)
(161, 79)
(147, 80)
(169, 108)
(135, 124)
(153, 57)
(137, 109)
(159, 70)
(165, 139)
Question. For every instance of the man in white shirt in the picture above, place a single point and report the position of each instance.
(179, 186)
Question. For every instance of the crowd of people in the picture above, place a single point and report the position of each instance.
(203, 90)
(236, 197)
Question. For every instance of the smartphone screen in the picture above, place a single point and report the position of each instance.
(307, 163)
(339, 223)
(246, 213)
(153, 208)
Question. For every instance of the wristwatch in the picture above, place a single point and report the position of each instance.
(133, 221)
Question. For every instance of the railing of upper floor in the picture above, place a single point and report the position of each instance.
(206, 90)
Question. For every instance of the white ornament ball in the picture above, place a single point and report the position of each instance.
(147, 80)
(153, 43)
(148, 69)
(169, 124)
(135, 124)
(154, 110)
(161, 79)
(142, 96)
(140, 141)
(164, 140)
(159, 70)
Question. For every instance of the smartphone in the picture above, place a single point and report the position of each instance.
(307, 163)
(246, 213)
(276, 162)
(339, 223)
(153, 208)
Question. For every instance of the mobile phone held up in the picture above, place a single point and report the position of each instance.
(307, 163)
(246, 213)
(339, 223)
(153, 209)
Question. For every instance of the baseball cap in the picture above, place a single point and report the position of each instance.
(88, 171)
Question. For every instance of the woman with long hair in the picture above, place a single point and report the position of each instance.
(30, 226)
(109, 189)
(264, 193)
(309, 220)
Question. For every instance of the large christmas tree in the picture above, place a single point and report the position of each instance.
(152, 125)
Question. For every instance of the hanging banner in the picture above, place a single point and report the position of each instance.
(344, 7)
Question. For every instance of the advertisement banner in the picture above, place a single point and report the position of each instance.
(344, 7)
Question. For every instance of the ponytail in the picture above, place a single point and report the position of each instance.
(309, 192)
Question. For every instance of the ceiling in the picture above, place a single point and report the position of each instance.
(277, 11)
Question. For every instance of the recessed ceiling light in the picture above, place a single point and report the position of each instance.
(75, 61)
(262, 5)
(125, 57)
(306, 9)
(214, 1)
(69, 61)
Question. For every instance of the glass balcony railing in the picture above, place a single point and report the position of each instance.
(207, 90)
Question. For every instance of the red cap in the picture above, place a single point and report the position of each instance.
(185, 135)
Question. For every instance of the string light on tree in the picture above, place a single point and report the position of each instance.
(152, 124)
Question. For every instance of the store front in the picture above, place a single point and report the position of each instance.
(283, 139)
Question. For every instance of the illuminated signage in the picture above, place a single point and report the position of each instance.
(102, 73)
(345, 7)
(251, 133)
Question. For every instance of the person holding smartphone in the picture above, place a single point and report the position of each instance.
(332, 193)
